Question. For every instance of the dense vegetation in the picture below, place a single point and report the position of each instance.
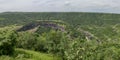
(85, 36)
(74, 18)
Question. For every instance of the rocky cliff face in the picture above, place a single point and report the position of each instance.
(45, 24)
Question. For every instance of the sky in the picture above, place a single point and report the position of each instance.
(107, 6)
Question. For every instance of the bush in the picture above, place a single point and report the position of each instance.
(51, 42)
(7, 42)
(92, 50)
(26, 40)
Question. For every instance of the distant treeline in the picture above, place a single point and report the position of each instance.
(74, 18)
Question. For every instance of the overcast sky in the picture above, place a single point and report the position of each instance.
(112, 6)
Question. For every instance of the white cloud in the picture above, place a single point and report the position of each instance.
(60, 5)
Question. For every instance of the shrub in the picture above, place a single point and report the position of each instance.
(26, 40)
(7, 42)
(92, 50)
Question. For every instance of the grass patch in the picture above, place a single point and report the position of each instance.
(2, 18)
(22, 54)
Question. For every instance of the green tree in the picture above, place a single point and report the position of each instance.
(7, 42)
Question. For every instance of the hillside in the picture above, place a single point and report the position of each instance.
(56, 25)
(59, 36)
(74, 18)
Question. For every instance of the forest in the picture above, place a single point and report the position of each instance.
(59, 36)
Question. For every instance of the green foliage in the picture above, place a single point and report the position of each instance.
(73, 18)
(71, 44)
(43, 29)
(2, 18)
(22, 54)
(92, 50)
(56, 41)
(52, 41)
(74, 45)
(7, 42)
(26, 40)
